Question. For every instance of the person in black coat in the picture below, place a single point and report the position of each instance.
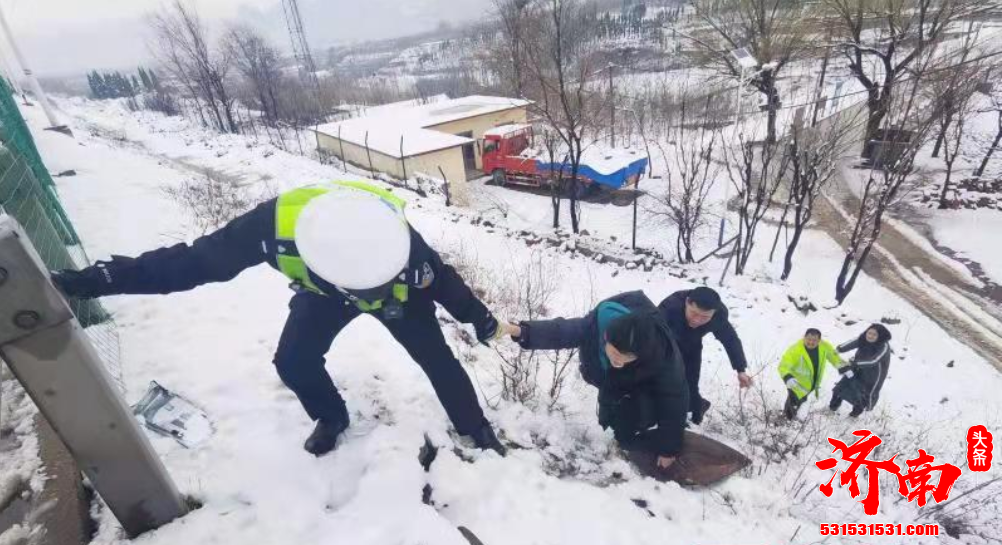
(691, 314)
(628, 352)
(316, 316)
(864, 376)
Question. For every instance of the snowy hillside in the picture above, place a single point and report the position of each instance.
(567, 485)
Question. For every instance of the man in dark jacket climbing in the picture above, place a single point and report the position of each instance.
(348, 250)
(628, 353)
(864, 377)
(691, 314)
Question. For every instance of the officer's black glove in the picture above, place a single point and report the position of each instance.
(88, 283)
(487, 329)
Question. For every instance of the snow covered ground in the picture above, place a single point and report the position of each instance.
(214, 346)
(21, 475)
(975, 235)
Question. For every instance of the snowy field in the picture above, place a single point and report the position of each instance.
(974, 235)
(214, 345)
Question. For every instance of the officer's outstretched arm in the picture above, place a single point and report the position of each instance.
(216, 257)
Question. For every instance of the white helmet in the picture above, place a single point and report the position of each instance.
(353, 239)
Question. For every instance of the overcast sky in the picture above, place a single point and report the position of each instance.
(73, 36)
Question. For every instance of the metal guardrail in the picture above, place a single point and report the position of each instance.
(52, 356)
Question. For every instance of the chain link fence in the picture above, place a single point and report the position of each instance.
(28, 194)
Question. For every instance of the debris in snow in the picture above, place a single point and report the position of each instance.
(427, 453)
(970, 193)
(470, 536)
(950, 364)
(169, 414)
(890, 321)
(803, 304)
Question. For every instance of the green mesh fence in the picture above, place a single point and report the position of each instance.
(28, 194)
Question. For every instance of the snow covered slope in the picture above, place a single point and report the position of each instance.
(214, 345)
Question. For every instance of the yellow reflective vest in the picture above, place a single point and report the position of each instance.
(796, 363)
(289, 208)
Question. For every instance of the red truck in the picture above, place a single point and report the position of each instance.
(510, 158)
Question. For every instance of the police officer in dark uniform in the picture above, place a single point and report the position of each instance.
(347, 249)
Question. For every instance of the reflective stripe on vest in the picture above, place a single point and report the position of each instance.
(290, 206)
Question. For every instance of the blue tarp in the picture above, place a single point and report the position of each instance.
(614, 180)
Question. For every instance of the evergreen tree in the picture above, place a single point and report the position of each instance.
(100, 86)
(145, 78)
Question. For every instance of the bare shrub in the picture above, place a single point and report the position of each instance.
(210, 202)
(785, 452)
(523, 291)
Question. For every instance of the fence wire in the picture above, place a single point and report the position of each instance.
(28, 194)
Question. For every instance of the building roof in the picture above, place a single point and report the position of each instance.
(386, 125)
(505, 130)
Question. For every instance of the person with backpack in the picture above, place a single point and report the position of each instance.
(630, 355)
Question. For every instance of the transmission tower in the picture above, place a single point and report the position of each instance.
(301, 48)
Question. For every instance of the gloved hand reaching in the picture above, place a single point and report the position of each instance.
(488, 329)
(88, 283)
(792, 384)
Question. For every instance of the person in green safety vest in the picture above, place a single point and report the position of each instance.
(347, 250)
(803, 368)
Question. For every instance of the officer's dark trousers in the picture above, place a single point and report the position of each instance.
(315, 320)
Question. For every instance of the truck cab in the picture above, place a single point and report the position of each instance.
(502, 151)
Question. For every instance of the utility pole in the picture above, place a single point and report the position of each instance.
(821, 82)
(745, 61)
(612, 109)
(8, 73)
(32, 80)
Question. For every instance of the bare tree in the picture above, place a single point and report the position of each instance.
(691, 170)
(994, 106)
(895, 34)
(774, 31)
(181, 44)
(258, 63)
(956, 106)
(756, 169)
(556, 44)
(884, 188)
(814, 157)
(551, 144)
(511, 20)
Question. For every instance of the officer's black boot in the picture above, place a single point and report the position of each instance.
(485, 439)
(324, 436)
(856, 411)
(836, 402)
